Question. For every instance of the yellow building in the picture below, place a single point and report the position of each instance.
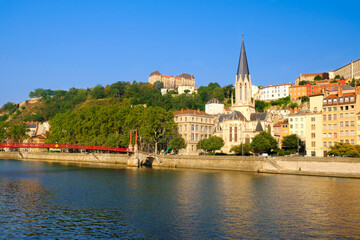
(340, 110)
(193, 125)
(358, 128)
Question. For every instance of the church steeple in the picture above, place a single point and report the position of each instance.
(243, 68)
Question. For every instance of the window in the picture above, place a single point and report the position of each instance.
(312, 135)
(335, 135)
(352, 133)
(329, 126)
(324, 135)
(346, 123)
(359, 118)
(312, 126)
(196, 137)
(341, 124)
(352, 141)
(341, 115)
(192, 127)
(302, 125)
(352, 123)
(324, 117)
(235, 134)
(335, 101)
(192, 137)
(346, 115)
(291, 126)
(324, 109)
(313, 144)
(292, 119)
(335, 126)
(335, 116)
(351, 99)
(329, 101)
(329, 117)
(325, 144)
(324, 102)
(346, 132)
(296, 126)
(197, 128)
(329, 135)
(346, 99)
(342, 108)
(330, 144)
(351, 115)
(334, 108)
(324, 126)
(209, 128)
(313, 119)
(329, 109)
(341, 133)
(185, 128)
(346, 108)
(341, 100)
(180, 128)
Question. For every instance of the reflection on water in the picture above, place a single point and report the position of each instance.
(43, 200)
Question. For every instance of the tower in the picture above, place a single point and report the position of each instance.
(243, 101)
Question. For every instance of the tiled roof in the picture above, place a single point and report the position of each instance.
(277, 85)
(344, 87)
(189, 111)
(258, 116)
(311, 74)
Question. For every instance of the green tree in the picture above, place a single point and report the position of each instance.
(17, 132)
(304, 99)
(98, 92)
(291, 142)
(344, 149)
(293, 105)
(318, 77)
(241, 149)
(263, 143)
(178, 143)
(157, 126)
(211, 144)
(158, 85)
(337, 77)
(3, 134)
(303, 82)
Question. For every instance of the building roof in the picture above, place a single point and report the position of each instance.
(310, 74)
(214, 100)
(284, 84)
(259, 128)
(189, 111)
(258, 116)
(243, 68)
(344, 87)
(33, 125)
(235, 115)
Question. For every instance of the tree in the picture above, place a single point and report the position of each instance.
(241, 149)
(304, 99)
(158, 85)
(17, 132)
(211, 144)
(263, 143)
(317, 78)
(337, 76)
(177, 143)
(344, 149)
(157, 126)
(3, 135)
(293, 105)
(303, 82)
(98, 92)
(186, 91)
(291, 142)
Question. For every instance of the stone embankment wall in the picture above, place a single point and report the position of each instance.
(340, 167)
(67, 157)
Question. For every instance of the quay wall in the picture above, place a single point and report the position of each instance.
(316, 166)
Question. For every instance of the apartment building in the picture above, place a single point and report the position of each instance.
(297, 91)
(349, 71)
(274, 92)
(339, 114)
(297, 123)
(193, 125)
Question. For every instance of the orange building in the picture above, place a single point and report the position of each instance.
(297, 91)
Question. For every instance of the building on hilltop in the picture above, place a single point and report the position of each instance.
(242, 124)
(349, 71)
(193, 125)
(172, 82)
(306, 77)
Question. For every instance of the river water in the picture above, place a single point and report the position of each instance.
(41, 200)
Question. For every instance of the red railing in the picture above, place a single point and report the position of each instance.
(63, 146)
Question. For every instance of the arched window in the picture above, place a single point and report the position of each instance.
(245, 91)
(240, 93)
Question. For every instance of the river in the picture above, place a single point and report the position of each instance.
(40, 200)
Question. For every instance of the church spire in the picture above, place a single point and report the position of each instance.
(243, 68)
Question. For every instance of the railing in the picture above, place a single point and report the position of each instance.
(63, 146)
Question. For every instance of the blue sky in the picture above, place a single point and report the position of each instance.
(73, 43)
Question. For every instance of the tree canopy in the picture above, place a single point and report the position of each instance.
(178, 143)
(263, 143)
(344, 149)
(211, 144)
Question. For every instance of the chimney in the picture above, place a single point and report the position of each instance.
(342, 82)
(182, 110)
(357, 89)
(295, 109)
(198, 109)
(340, 91)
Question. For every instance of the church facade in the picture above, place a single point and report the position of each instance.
(242, 124)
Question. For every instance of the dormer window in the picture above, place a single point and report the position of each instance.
(346, 99)
(329, 101)
(324, 101)
(341, 100)
(335, 100)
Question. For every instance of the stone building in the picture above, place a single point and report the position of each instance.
(242, 123)
(193, 125)
(351, 70)
(172, 82)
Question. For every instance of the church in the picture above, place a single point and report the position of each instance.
(242, 124)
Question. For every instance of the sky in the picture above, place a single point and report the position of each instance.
(74, 43)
